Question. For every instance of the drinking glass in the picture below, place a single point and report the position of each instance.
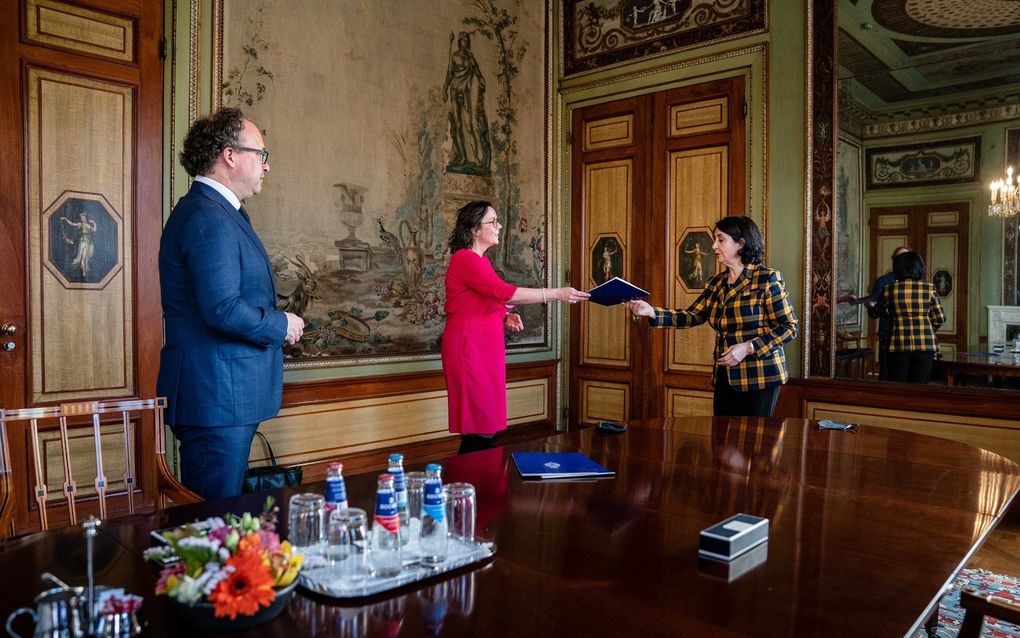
(347, 539)
(306, 521)
(460, 510)
(415, 493)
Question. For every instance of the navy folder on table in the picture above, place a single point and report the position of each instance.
(557, 465)
(614, 291)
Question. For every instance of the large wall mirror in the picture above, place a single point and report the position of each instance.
(915, 110)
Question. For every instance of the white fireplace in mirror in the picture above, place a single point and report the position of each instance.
(1003, 324)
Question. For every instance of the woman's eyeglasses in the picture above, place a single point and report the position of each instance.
(494, 221)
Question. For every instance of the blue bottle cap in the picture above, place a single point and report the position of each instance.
(433, 467)
(396, 457)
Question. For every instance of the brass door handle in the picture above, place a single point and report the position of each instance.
(8, 330)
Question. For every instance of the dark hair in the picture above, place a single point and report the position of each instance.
(908, 265)
(744, 228)
(469, 218)
(207, 137)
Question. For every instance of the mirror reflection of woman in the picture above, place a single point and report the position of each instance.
(916, 314)
(749, 308)
(478, 310)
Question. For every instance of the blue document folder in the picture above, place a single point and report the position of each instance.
(557, 465)
(615, 291)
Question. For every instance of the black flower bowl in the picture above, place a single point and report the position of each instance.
(200, 615)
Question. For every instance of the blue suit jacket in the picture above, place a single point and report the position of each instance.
(222, 358)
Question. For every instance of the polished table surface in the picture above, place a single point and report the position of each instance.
(867, 529)
(978, 361)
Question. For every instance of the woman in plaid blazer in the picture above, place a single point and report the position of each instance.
(749, 308)
(916, 313)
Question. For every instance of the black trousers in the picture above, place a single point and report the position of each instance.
(911, 366)
(729, 401)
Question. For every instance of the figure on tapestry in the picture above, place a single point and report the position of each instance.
(464, 88)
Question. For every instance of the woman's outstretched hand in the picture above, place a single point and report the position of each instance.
(640, 308)
(570, 295)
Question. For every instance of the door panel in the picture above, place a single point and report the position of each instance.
(652, 174)
(608, 190)
(698, 196)
(79, 212)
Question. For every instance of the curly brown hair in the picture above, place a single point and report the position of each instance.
(208, 136)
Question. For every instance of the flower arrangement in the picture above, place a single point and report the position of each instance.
(234, 562)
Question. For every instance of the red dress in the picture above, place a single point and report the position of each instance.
(474, 357)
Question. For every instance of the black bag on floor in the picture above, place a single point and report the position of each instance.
(269, 477)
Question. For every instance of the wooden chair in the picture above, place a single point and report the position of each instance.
(46, 453)
(978, 606)
(853, 353)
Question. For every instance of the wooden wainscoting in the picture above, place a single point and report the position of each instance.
(360, 421)
(988, 419)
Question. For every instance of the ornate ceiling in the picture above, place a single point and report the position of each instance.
(894, 52)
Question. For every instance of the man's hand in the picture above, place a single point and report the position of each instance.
(295, 328)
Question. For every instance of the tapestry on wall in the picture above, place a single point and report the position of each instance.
(849, 215)
(601, 33)
(382, 121)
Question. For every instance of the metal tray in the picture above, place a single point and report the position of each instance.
(322, 579)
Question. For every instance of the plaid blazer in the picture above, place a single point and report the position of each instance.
(916, 313)
(755, 308)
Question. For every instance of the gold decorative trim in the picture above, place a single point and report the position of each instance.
(172, 81)
(809, 173)
(217, 61)
(195, 52)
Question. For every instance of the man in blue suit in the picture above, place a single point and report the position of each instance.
(221, 367)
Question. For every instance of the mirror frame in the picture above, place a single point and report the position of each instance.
(819, 356)
(822, 129)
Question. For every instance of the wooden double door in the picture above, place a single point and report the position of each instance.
(650, 177)
(940, 234)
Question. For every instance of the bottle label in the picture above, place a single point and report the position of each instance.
(336, 493)
(432, 502)
(400, 487)
(386, 511)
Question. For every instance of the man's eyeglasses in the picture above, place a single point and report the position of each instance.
(494, 221)
(261, 151)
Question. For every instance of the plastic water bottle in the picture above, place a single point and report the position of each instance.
(396, 469)
(433, 517)
(385, 551)
(336, 489)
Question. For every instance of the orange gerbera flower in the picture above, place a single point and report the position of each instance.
(249, 543)
(245, 590)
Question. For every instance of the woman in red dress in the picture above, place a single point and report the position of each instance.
(478, 305)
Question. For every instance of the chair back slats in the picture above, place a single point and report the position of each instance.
(40, 480)
(133, 428)
(70, 485)
(129, 463)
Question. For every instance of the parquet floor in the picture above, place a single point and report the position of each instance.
(1001, 551)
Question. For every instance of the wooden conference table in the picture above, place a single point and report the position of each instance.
(977, 362)
(867, 529)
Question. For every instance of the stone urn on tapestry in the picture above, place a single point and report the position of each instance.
(412, 257)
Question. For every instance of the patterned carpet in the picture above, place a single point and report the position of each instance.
(951, 614)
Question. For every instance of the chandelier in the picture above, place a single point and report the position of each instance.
(1005, 196)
